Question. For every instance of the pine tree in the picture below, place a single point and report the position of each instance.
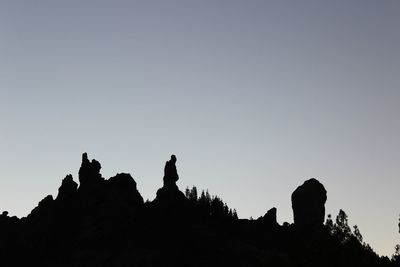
(187, 192)
(329, 225)
(235, 216)
(357, 234)
(193, 194)
(341, 228)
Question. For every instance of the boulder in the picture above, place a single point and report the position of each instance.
(123, 187)
(308, 203)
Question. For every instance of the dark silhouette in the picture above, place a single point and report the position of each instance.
(396, 255)
(67, 189)
(210, 206)
(170, 173)
(308, 203)
(105, 222)
(170, 194)
(89, 173)
(269, 218)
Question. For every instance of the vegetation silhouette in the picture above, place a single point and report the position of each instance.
(105, 222)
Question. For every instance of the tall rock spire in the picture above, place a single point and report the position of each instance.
(170, 173)
(170, 193)
(89, 172)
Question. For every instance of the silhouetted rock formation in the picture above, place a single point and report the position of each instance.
(269, 218)
(170, 173)
(89, 173)
(44, 207)
(123, 186)
(170, 193)
(67, 189)
(105, 223)
(308, 203)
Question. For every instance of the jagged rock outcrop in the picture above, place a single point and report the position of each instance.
(269, 218)
(308, 203)
(170, 192)
(107, 224)
(122, 186)
(89, 172)
(67, 189)
(44, 208)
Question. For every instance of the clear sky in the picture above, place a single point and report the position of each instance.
(253, 97)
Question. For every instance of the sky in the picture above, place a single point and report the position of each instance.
(253, 97)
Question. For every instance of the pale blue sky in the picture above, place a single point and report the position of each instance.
(253, 97)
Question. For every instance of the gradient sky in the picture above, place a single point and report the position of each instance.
(253, 97)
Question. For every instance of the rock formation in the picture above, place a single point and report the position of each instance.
(170, 173)
(122, 186)
(67, 189)
(308, 203)
(89, 172)
(269, 218)
(44, 207)
(106, 223)
(170, 192)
